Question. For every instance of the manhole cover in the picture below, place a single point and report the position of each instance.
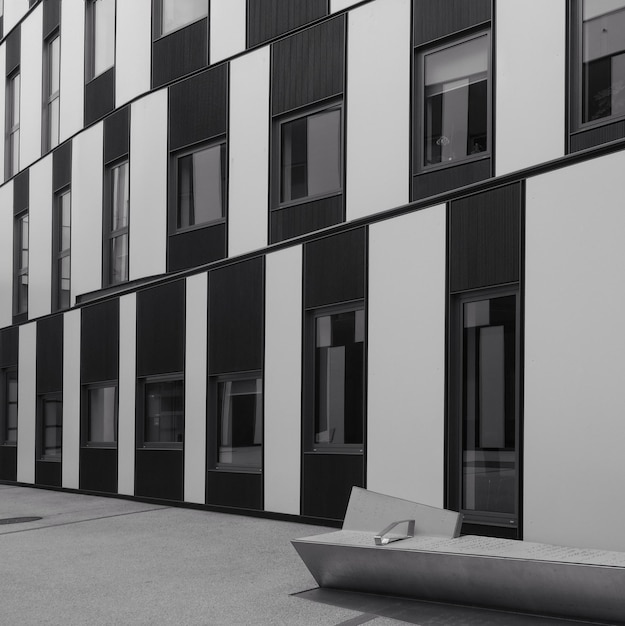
(18, 520)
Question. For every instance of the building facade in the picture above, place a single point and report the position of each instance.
(255, 252)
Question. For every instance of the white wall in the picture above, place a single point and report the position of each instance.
(378, 107)
(14, 11)
(6, 254)
(574, 345)
(227, 29)
(530, 83)
(3, 55)
(283, 359)
(248, 152)
(133, 49)
(40, 238)
(126, 390)
(148, 185)
(195, 389)
(406, 357)
(26, 402)
(87, 174)
(72, 88)
(31, 68)
(71, 400)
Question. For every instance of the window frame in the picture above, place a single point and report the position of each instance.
(6, 376)
(50, 142)
(85, 396)
(109, 233)
(42, 399)
(12, 138)
(59, 254)
(20, 270)
(158, 12)
(90, 33)
(426, 50)
(142, 384)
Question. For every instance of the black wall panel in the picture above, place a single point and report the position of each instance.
(196, 247)
(305, 218)
(9, 338)
(62, 166)
(8, 462)
(13, 43)
(267, 19)
(117, 135)
(21, 192)
(161, 329)
(439, 181)
(98, 469)
(50, 354)
(197, 107)
(48, 473)
(236, 311)
(335, 268)
(51, 16)
(99, 342)
(597, 136)
(159, 474)
(100, 96)
(179, 54)
(235, 489)
(437, 18)
(308, 66)
(327, 483)
(485, 238)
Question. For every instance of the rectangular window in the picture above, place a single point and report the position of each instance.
(163, 412)
(52, 77)
(117, 227)
(51, 436)
(21, 264)
(61, 269)
(101, 407)
(9, 401)
(178, 13)
(311, 155)
(455, 118)
(13, 125)
(101, 36)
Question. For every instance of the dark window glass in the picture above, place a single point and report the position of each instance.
(178, 13)
(164, 411)
(52, 428)
(10, 398)
(118, 223)
(21, 273)
(102, 415)
(62, 278)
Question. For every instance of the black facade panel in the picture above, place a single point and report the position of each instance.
(236, 308)
(327, 483)
(50, 354)
(98, 469)
(161, 329)
(21, 192)
(437, 18)
(99, 342)
(335, 268)
(8, 462)
(484, 238)
(240, 490)
(9, 338)
(305, 218)
(196, 247)
(267, 19)
(62, 166)
(597, 136)
(13, 49)
(197, 108)
(100, 96)
(117, 135)
(179, 54)
(159, 474)
(308, 66)
(432, 183)
(48, 473)
(51, 16)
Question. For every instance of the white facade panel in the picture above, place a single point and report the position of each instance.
(6, 254)
(249, 152)
(126, 391)
(72, 91)
(339, 5)
(228, 22)
(87, 175)
(148, 186)
(40, 239)
(71, 400)
(133, 52)
(378, 107)
(31, 68)
(530, 83)
(283, 359)
(14, 11)
(26, 403)
(406, 357)
(195, 390)
(3, 57)
(574, 345)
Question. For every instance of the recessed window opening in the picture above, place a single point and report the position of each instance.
(21, 263)
(13, 124)
(163, 412)
(9, 436)
(62, 269)
(51, 427)
(101, 415)
(119, 210)
(101, 31)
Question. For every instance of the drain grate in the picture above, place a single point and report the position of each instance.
(18, 520)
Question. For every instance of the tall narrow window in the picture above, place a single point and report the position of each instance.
(117, 228)
(21, 264)
(163, 412)
(9, 400)
(52, 77)
(62, 250)
(51, 435)
(178, 13)
(100, 36)
(13, 125)
(101, 409)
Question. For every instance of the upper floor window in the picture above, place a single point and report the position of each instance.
(52, 78)
(61, 269)
(118, 209)
(8, 411)
(13, 124)
(178, 13)
(100, 36)
(21, 238)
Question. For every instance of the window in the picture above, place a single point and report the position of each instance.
(163, 412)
(200, 186)
(101, 36)
(455, 112)
(101, 410)
(52, 78)
(51, 435)
(178, 13)
(240, 423)
(21, 264)
(61, 269)
(9, 407)
(117, 227)
(13, 125)
(310, 155)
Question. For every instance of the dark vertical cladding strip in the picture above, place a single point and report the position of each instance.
(436, 18)
(597, 136)
(51, 16)
(100, 96)
(432, 183)
(99, 342)
(62, 166)
(197, 108)
(267, 19)
(236, 307)
(9, 341)
(181, 53)
(50, 354)
(308, 66)
(13, 49)
(21, 192)
(305, 218)
(196, 247)
(160, 474)
(161, 329)
(117, 135)
(98, 469)
(484, 238)
(48, 473)
(335, 269)
(242, 490)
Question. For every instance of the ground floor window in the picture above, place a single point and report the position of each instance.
(51, 427)
(163, 412)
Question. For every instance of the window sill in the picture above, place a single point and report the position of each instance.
(163, 446)
(178, 29)
(352, 450)
(189, 229)
(222, 469)
(308, 200)
(482, 156)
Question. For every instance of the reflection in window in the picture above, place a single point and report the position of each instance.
(339, 378)
(102, 415)
(52, 428)
(63, 224)
(178, 13)
(21, 265)
(118, 223)
(101, 30)
(455, 120)
(13, 123)
(10, 408)
(310, 150)
(53, 78)
(603, 56)
(164, 411)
